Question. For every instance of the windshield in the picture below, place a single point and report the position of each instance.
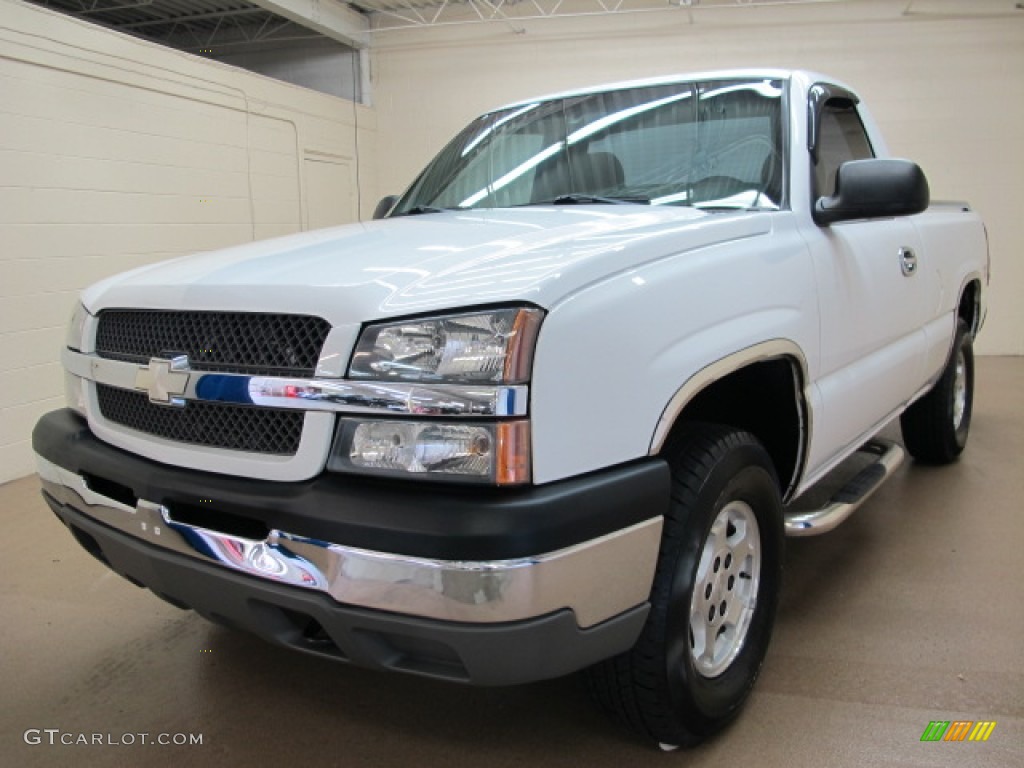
(707, 144)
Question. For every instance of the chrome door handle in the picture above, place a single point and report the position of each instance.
(908, 262)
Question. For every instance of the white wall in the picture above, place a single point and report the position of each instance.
(115, 153)
(948, 91)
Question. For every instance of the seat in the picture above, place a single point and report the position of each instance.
(771, 179)
(597, 173)
(593, 173)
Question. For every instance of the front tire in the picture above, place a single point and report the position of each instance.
(714, 594)
(935, 428)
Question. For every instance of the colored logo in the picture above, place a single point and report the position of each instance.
(958, 730)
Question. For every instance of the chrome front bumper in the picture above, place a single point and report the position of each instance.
(597, 579)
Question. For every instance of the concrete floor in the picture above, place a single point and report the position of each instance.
(912, 611)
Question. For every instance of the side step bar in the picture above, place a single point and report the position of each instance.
(889, 456)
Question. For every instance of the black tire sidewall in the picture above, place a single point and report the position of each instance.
(744, 474)
(929, 432)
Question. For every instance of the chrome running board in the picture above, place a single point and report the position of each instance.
(888, 458)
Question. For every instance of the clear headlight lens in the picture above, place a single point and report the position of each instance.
(490, 453)
(495, 346)
(484, 347)
(76, 328)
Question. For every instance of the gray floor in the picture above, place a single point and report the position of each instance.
(912, 611)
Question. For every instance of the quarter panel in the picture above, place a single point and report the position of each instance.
(954, 247)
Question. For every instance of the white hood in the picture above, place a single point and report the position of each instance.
(407, 265)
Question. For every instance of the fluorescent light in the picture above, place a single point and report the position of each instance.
(486, 131)
(599, 125)
(765, 89)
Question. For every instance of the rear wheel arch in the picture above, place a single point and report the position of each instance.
(969, 305)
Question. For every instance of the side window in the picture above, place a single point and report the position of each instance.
(842, 138)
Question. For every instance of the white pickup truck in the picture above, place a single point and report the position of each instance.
(556, 409)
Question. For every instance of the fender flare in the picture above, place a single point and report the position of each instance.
(980, 309)
(773, 349)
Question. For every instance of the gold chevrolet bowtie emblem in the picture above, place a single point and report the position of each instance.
(163, 379)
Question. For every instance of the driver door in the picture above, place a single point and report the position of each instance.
(875, 293)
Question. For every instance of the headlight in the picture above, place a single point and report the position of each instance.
(76, 328)
(489, 453)
(494, 346)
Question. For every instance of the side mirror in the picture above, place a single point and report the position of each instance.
(384, 206)
(867, 189)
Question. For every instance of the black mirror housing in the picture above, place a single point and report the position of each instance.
(876, 188)
(384, 206)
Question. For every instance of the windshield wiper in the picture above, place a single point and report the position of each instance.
(418, 209)
(720, 208)
(577, 198)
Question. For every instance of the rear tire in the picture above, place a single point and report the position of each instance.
(714, 595)
(935, 428)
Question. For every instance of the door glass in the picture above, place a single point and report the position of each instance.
(842, 138)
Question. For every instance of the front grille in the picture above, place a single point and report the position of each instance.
(218, 425)
(253, 343)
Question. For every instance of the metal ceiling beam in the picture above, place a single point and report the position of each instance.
(328, 17)
(96, 8)
(388, 15)
(193, 17)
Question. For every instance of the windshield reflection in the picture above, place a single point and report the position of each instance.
(710, 145)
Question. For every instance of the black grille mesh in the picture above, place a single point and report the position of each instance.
(253, 343)
(218, 425)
